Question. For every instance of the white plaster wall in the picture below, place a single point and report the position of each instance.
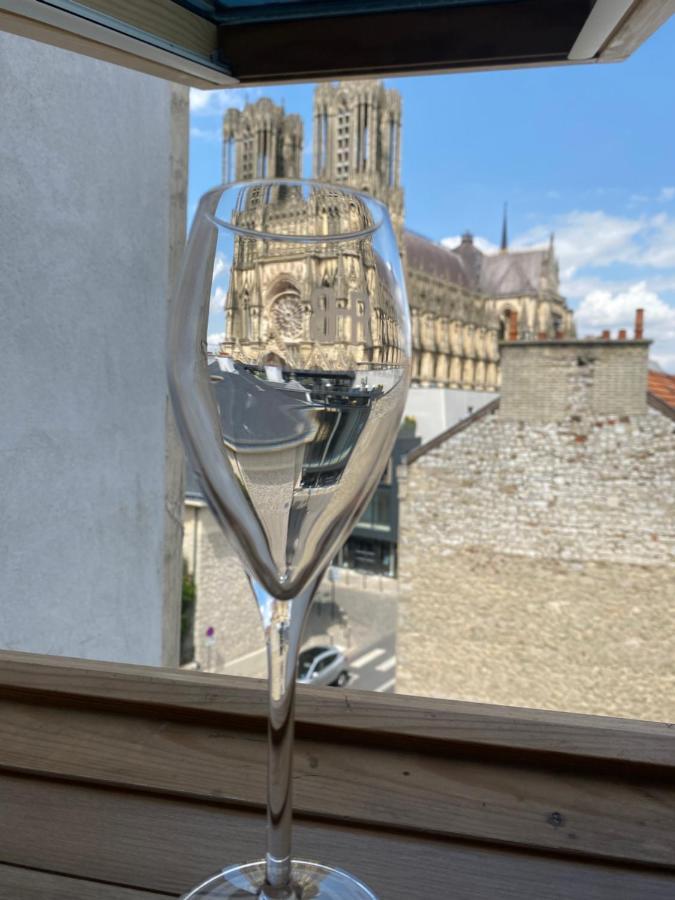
(436, 409)
(84, 269)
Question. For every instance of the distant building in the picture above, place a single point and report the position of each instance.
(537, 540)
(261, 141)
(461, 299)
(372, 545)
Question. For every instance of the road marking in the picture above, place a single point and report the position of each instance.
(368, 657)
(387, 664)
(387, 685)
(353, 678)
(239, 659)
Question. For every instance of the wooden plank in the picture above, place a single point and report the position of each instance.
(385, 719)
(29, 884)
(41, 22)
(646, 17)
(153, 843)
(164, 19)
(519, 804)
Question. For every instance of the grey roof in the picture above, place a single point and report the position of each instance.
(513, 273)
(509, 273)
(435, 260)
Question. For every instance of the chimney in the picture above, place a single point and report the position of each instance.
(555, 381)
(622, 334)
(639, 324)
(513, 326)
(606, 335)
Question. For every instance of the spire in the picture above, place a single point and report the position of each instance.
(551, 243)
(505, 231)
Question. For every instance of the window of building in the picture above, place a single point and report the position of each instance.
(371, 556)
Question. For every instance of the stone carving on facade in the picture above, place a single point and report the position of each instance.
(325, 303)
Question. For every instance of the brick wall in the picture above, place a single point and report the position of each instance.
(552, 380)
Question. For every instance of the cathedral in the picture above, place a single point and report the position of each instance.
(462, 301)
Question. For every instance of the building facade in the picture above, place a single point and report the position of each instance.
(261, 141)
(537, 543)
(461, 299)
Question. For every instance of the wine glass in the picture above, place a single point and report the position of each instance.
(289, 364)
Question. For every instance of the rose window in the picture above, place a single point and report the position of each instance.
(286, 314)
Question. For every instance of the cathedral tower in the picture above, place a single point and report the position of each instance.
(357, 140)
(261, 141)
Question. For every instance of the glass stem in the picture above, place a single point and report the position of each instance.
(283, 621)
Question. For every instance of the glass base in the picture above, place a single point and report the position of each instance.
(311, 881)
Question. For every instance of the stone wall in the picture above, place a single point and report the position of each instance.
(224, 601)
(537, 566)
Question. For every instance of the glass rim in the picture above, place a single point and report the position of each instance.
(371, 202)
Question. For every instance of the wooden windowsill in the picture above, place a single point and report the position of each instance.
(122, 780)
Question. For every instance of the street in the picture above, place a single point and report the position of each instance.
(373, 667)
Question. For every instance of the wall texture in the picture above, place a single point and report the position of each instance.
(86, 193)
(551, 381)
(537, 566)
(224, 601)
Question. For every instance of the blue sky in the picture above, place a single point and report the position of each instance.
(585, 151)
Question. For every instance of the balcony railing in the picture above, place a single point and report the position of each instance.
(127, 782)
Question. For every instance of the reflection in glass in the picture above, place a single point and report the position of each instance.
(289, 368)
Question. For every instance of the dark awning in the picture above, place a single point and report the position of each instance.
(209, 43)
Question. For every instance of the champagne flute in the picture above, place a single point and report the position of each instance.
(289, 364)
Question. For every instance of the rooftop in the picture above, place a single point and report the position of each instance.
(662, 386)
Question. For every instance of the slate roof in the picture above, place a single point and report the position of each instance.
(435, 260)
(513, 273)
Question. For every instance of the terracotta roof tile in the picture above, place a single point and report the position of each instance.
(663, 387)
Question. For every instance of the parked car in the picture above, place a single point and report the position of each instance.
(323, 665)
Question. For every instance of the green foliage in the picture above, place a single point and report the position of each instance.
(187, 616)
(408, 425)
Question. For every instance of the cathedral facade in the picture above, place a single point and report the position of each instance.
(462, 301)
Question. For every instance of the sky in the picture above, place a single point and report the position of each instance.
(586, 152)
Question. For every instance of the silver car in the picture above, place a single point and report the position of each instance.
(323, 665)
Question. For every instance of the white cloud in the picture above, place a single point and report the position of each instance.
(214, 103)
(605, 309)
(586, 239)
(667, 193)
(214, 340)
(659, 245)
(665, 359)
(483, 244)
(220, 265)
(217, 303)
(594, 239)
